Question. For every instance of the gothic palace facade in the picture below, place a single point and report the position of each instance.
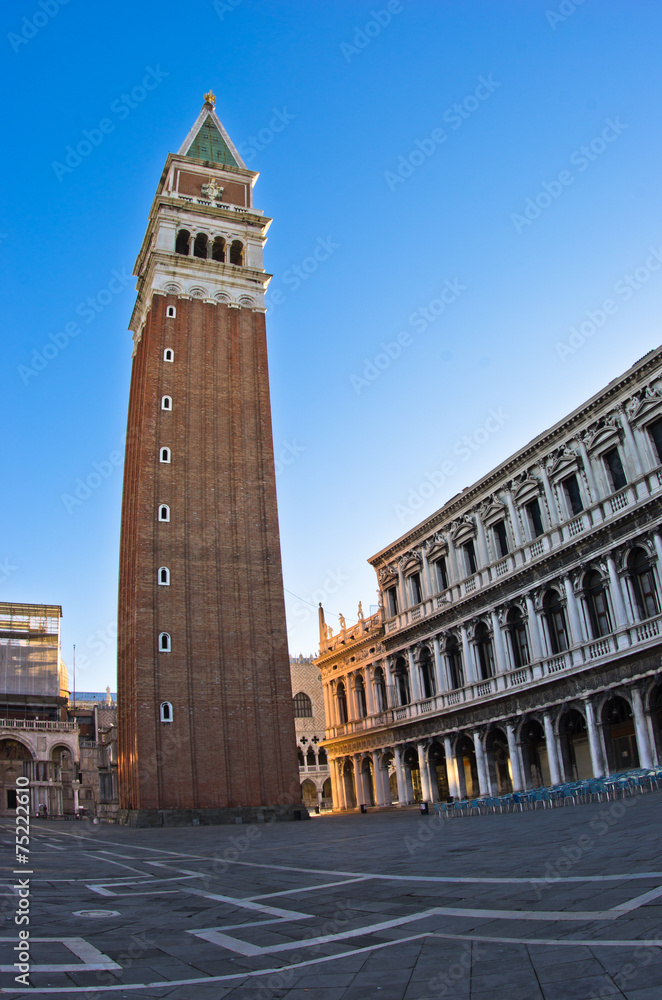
(519, 641)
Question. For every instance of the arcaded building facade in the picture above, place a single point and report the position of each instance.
(310, 724)
(520, 634)
(203, 668)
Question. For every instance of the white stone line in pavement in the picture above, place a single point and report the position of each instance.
(552, 942)
(91, 959)
(247, 904)
(311, 888)
(102, 891)
(119, 864)
(633, 904)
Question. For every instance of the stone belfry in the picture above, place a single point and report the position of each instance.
(206, 727)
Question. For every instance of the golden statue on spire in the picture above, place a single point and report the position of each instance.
(210, 98)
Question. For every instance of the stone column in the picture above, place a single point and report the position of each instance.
(516, 770)
(439, 673)
(620, 609)
(552, 751)
(426, 579)
(588, 469)
(414, 678)
(549, 496)
(483, 779)
(499, 648)
(451, 770)
(641, 729)
(380, 800)
(328, 714)
(361, 798)
(576, 631)
(453, 574)
(426, 794)
(400, 775)
(514, 519)
(469, 668)
(657, 541)
(402, 590)
(597, 761)
(631, 451)
(333, 774)
(534, 630)
(75, 785)
(483, 553)
(369, 692)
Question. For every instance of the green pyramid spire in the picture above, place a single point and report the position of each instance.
(210, 145)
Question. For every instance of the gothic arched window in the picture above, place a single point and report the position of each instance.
(303, 706)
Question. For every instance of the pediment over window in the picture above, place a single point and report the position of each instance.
(387, 574)
(463, 529)
(410, 560)
(526, 490)
(492, 511)
(602, 438)
(563, 463)
(645, 407)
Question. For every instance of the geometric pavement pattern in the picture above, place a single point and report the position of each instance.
(562, 904)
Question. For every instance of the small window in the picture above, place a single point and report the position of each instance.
(168, 354)
(470, 557)
(415, 589)
(166, 711)
(164, 512)
(441, 573)
(655, 431)
(200, 246)
(573, 497)
(218, 249)
(391, 602)
(501, 538)
(164, 577)
(615, 470)
(535, 518)
(164, 643)
(171, 312)
(303, 706)
(237, 252)
(182, 242)
(164, 455)
(166, 403)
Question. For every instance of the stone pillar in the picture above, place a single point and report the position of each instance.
(483, 779)
(657, 541)
(617, 595)
(641, 729)
(631, 451)
(451, 770)
(426, 794)
(378, 772)
(75, 785)
(402, 590)
(439, 673)
(426, 579)
(361, 798)
(576, 631)
(516, 770)
(549, 496)
(328, 706)
(453, 573)
(369, 692)
(469, 668)
(588, 469)
(409, 784)
(335, 792)
(534, 630)
(414, 678)
(514, 519)
(400, 775)
(597, 760)
(483, 553)
(499, 648)
(552, 751)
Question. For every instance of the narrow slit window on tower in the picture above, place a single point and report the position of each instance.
(166, 711)
(237, 252)
(166, 403)
(164, 642)
(171, 312)
(218, 249)
(168, 354)
(164, 512)
(200, 246)
(164, 576)
(182, 242)
(164, 455)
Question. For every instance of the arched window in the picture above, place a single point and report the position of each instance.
(519, 643)
(322, 758)
(303, 706)
(200, 245)
(164, 576)
(596, 601)
(168, 354)
(218, 249)
(455, 671)
(427, 676)
(171, 312)
(484, 652)
(302, 762)
(166, 711)
(310, 757)
(556, 623)
(164, 642)
(237, 252)
(402, 682)
(644, 584)
(380, 689)
(359, 690)
(164, 455)
(341, 698)
(182, 242)
(164, 512)
(166, 402)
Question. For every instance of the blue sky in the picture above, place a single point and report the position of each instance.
(414, 139)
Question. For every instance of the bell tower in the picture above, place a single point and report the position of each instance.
(206, 725)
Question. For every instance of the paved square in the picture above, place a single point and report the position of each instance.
(562, 904)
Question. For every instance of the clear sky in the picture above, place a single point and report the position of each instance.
(454, 187)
